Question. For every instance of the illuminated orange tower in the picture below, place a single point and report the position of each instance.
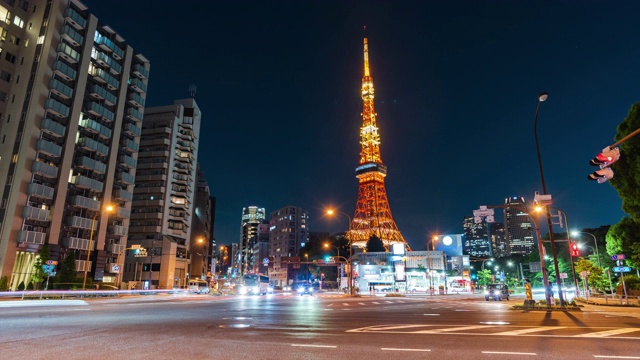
(373, 214)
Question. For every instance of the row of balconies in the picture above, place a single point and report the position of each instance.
(57, 108)
(65, 71)
(68, 53)
(105, 60)
(141, 71)
(127, 161)
(153, 154)
(91, 164)
(35, 213)
(104, 77)
(130, 145)
(138, 85)
(152, 165)
(132, 129)
(136, 99)
(134, 114)
(44, 169)
(122, 194)
(71, 35)
(126, 178)
(99, 110)
(87, 183)
(154, 142)
(75, 19)
(40, 191)
(61, 89)
(85, 202)
(47, 147)
(92, 145)
(53, 128)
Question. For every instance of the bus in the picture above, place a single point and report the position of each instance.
(255, 284)
(198, 286)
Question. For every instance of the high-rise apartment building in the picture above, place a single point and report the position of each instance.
(260, 251)
(163, 199)
(518, 227)
(476, 240)
(72, 95)
(200, 253)
(499, 243)
(289, 232)
(252, 216)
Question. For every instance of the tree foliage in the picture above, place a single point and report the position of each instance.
(374, 244)
(68, 270)
(4, 283)
(622, 238)
(38, 274)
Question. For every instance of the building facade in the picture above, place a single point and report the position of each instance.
(252, 217)
(499, 244)
(476, 239)
(518, 228)
(163, 199)
(200, 252)
(72, 95)
(288, 233)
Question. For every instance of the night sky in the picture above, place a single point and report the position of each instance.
(456, 91)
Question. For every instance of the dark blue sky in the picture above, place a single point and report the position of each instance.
(456, 92)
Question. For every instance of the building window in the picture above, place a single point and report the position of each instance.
(18, 21)
(10, 57)
(6, 76)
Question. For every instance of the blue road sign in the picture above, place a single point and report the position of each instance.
(618, 257)
(623, 269)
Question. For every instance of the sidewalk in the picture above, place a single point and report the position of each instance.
(610, 301)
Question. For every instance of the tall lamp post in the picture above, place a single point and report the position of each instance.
(573, 265)
(595, 241)
(108, 209)
(350, 284)
(541, 98)
(188, 267)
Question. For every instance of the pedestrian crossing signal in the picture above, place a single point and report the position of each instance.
(575, 251)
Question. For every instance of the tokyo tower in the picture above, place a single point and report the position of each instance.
(373, 214)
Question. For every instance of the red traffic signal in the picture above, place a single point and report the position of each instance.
(606, 157)
(601, 175)
(575, 252)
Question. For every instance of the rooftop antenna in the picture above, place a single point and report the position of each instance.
(192, 90)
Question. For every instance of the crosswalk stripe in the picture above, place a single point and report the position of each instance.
(609, 332)
(530, 330)
(454, 328)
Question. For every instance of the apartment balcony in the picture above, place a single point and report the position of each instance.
(148, 203)
(122, 213)
(35, 213)
(49, 148)
(104, 77)
(53, 128)
(146, 216)
(144, 229)
(153, 154)
(185, 135)
(144, 178)
(40, 191)
(118, 230)
(122, 194)
(44, 169)
(87, 183)
(74, 19)
(92, 145)
(154, 165)
(115, 249)
(132, 129)
(126, 178)
(60, 89)
(141, 71)
(134, 114)
(155, 142)
(31, 237)
(140, 190)
(71, 35)
(130, 145)
(81, 265)
(95, 127)
(187, 122)
(65, 71)
(103, 94)
(84, 202)
(68, 53)
(80, 222)
(109, 46)
(105, 60)
(57, 108)
(127, 161)
(91, 164)
(78, 243)
(136, 99)
(98, 110)
(138, 85)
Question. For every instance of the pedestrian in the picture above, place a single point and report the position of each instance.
(371, 290)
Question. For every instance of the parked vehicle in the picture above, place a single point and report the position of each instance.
(496, 292)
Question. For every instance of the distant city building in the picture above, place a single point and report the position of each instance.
(163, 206)
(499, 243)
(289, 231)
(252, 217)
(260, 252)
(476, 240)
(202, 229)
(71, 101)
(517, 226)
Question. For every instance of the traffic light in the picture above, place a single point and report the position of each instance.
(575, 252)
(601, 175)
(607, 157)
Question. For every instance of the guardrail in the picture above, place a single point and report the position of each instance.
(68, 294)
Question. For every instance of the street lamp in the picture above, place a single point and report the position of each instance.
(483, 261)
(189, 269)
(543, 97)
(595, 241)
(573, 266)
(307, 261)
(108, 209)
(350, 284)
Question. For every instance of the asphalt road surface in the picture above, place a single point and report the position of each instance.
(311, 327)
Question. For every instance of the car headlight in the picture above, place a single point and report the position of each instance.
(497, 292)
(486, 292)
(243, 290)
(301, 289)
(310, 289)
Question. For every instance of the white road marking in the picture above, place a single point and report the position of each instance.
(345, 304)
(394, 349)
(531, 330)
(362, 303)
(615, 357)
(316, 346)
(455, 328)
(507, 353)
(375, 302)
(431, 314)
(609, 332)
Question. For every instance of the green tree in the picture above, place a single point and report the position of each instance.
(622, 238)
(4, 283)
(596, 278)
(38, 274)
(374, 244)
(484, 277)
(68, 271)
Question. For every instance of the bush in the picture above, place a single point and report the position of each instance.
(21, 286)
(633, 286)
(4, 283)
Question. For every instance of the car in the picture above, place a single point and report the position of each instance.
(418, 289)
(303, 288)
(496, 292)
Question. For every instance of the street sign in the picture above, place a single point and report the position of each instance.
(563, 276)
(116, 268)
(136, 246)
(618, 257)
(51, 262)
(483, 211)
(535, 267)
(331, 260)
(622, 269)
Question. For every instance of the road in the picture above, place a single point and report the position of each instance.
(311, 327)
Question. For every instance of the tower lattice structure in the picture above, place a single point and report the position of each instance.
(373, 214)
